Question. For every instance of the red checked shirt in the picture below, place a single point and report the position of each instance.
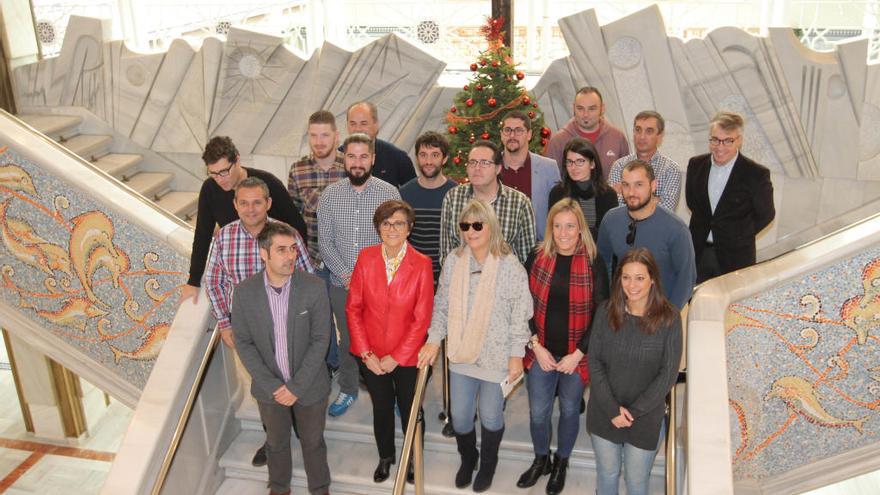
(235, 256)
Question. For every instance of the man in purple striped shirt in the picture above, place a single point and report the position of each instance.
(281, 325)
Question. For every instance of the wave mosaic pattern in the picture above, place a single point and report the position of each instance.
(804, 368)
(84, 274)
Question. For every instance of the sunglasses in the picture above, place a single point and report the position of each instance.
(465, 226)
(631, 232)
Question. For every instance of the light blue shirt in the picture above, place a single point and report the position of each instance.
(718, 175)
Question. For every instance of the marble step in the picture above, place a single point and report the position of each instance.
(55, 126)
(119, 165)
(352, 465)
(149, 184)
(88, 146)
(182, 204)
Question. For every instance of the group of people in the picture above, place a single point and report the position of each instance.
(571, 267)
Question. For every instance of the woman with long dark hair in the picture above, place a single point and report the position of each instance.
(635, 350)
(567, 280)
(584, 183)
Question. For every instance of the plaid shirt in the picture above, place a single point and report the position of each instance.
(514, 211)
(665, 170)
(305, 183)
(235, 256)
(345, 224)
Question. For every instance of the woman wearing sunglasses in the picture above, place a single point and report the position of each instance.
(635, 349)
(389, 310)
(482, 308)
(584, 183)
(567, 280)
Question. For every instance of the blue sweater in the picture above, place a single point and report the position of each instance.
(668, 239)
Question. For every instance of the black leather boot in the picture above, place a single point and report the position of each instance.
(540, 466)
(489, 443)
(467, 448)
(383, 470)
(556, 483)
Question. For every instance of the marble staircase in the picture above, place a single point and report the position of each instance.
(352, 454)
(126, 167)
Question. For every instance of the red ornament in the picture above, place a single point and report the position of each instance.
(484, 135)
(469, 102)
(531, 115)
(492, 102)
(474, 67)
(543, 141)
(453, 109)
(534, 105)
(452, 129)
(495, 63)
(471, 140)
(545, 132)
(483, 62)
(526, 100)
(478, 87)
(520, 75)
(509, 79)
(466, 87)
(456, 160)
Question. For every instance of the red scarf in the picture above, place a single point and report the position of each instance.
(580, 301)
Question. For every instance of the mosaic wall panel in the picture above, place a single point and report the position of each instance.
(804, 368)
(83, 273)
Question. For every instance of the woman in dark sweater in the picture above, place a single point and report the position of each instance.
(584, 183)
(567, 280)
(635, 349)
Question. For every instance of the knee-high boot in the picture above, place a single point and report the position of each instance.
(467, 448)
(489, 443)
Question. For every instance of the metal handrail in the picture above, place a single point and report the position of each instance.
(671, 449)
(162, 475)
(412, 441)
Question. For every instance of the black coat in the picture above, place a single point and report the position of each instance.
(744, 209)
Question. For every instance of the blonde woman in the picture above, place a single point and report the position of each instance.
(482, 308)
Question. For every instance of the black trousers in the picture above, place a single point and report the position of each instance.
(399, 387)
(708, 266)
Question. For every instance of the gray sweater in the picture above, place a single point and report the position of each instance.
(508, 330)
(635, 370)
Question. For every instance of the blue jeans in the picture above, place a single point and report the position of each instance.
(333, 351)
(463, 391)
(637, 465)
(542, 386)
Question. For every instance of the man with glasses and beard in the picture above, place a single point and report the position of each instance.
(640, 223)
(425, 194)
(345, 226)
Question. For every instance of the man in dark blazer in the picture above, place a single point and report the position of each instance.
(281, 325)
(730, 198)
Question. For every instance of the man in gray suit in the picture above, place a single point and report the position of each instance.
(281, 325)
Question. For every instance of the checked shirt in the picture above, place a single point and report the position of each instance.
(305, 183)
(665, 170)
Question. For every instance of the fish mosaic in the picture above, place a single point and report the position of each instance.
(82, 272)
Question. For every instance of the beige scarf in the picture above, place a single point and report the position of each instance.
(466, 332)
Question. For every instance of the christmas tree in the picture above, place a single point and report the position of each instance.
(490, 93)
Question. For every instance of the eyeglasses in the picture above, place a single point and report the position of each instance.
(714, 141)
(516, 131)
(631, 232)
(465, 226)
(480, 163)
(221, 173)
(580, 162)
(386, 225)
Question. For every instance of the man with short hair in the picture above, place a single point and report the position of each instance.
(589, 123)
(216, 204)
(641, 224)
(425, 194)
(527, 172)
(730, 198)
(345, 226)
(648, 129)
(281, 318)
(513, 208)
(392, 164)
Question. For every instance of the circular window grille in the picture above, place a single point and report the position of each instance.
(46, 32)
(428, 32)
(223, 27)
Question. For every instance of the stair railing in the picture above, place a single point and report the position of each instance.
(412, 441)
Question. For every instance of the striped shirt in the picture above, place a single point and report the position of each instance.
(425, 235)
(666, 171)
(305, 183)
(278, 304)
(235, 256)
(345, 224)
(514, 211)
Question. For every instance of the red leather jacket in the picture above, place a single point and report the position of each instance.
(390, 319)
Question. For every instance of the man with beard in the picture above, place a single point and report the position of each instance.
(527, 172)
(589, 123)
(640, 223)
(425, 194)
(392, 163)
(345, 226)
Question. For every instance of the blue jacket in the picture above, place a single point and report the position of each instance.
(545, 175)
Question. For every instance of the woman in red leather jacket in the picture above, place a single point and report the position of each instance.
(389, 310)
